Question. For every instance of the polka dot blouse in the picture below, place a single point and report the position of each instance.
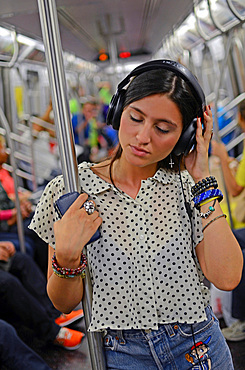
(142, 269)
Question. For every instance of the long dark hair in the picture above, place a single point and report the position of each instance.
(161, 81)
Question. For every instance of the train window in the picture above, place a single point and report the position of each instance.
(6, 44)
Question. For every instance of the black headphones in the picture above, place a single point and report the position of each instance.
(188, 137)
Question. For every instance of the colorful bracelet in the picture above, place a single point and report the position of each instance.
(207, 195)
(6, 214)
(82, 275)
(207, 201)
(214, 219)
(204, 184)
(210, 210)
(67, 272)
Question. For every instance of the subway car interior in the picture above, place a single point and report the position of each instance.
(101, 41)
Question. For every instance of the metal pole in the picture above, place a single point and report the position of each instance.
(216, 124)
(20, 227)
(55, 65)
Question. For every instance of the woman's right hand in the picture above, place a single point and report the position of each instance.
(73, 232)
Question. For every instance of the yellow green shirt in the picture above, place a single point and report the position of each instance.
(240, 175)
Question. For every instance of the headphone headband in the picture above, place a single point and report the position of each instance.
(172, 66)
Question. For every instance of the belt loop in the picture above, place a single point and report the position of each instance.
(169, 329)
(121, 337)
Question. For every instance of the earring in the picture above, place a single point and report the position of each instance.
(171, 163)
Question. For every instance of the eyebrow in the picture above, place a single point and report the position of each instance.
(158, 119)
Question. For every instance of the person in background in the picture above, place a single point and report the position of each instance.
(235, 186)
(46, 161)
(85, 130)
(24, 300)
(15, 354)
(155, 245)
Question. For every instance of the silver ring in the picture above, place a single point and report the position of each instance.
(89, 207)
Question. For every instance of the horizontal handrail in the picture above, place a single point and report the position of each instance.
(23, 157)
(232, 104)
(42, 123)
(228, 128)
(235, 141)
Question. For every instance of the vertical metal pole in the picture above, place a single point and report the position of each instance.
(216, 124)
(20, 227)
(55, 65)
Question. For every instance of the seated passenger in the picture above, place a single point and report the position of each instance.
(46, 156)
(9, 229)
(24, 301)
(6, 179)
(15, 354)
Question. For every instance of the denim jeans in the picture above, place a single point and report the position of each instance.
(171, 347)
(15, 354)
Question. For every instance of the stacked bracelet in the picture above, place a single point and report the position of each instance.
(204, 184)
(214, 219)
(210, 210)
(207, 201)
(64, 272)
(213, 193)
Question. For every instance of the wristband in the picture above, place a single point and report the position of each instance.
(204, 184)
(67, 272)
(6, 214)
(207, 195)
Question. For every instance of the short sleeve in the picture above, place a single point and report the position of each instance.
(240, 175)
(45, 215)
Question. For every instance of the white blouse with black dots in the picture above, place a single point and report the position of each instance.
(142, 269)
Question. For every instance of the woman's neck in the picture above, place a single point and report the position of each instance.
(128, 177)
(125, 177)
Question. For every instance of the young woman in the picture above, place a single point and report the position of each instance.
(156, 244)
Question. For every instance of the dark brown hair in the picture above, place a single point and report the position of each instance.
(160, 81)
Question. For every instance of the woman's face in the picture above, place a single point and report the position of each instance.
(149, 130)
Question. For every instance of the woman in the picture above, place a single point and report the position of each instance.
(146, 268)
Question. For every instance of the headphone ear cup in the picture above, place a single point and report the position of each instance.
(115, 109)
(187, 139)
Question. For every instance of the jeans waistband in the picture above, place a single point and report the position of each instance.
(169, 328)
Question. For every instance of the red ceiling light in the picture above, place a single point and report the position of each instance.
(124, 54)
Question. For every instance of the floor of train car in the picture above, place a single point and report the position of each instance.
(60, 359)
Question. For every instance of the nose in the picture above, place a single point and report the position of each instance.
(144, 136)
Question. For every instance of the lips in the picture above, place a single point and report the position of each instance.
(138, 151)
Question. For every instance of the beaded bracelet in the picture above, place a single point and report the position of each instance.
(214, 219)
(211, 209)
(207, 195)
(204, 184)
(82, 275)
(67, 272)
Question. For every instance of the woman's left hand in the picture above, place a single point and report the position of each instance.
(196, 162)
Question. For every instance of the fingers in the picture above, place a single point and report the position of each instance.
(83, 209)
(208, 123)
(78, 202)
(205, 133)
(3, 255)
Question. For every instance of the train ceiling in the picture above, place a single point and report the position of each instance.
(89, 26)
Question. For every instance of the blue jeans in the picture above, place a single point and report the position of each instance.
(171, 347)
(15, 354)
